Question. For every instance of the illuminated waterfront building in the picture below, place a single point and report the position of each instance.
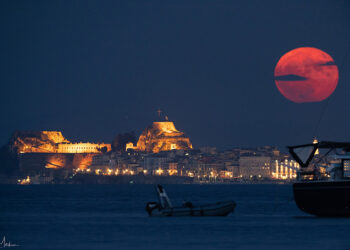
(285, 169)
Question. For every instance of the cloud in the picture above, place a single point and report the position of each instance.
(327, 63)
(290, 78)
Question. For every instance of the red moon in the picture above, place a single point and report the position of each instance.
(306, 75)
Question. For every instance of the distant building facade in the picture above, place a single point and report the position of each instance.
(255, 166)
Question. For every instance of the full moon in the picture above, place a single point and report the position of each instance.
(306, 75)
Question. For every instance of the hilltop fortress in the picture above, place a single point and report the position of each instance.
(161, 136)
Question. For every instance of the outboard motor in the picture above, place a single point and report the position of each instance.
(151, 206)
(164, 201)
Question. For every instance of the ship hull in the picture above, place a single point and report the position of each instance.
(216, 209)
(323, 198)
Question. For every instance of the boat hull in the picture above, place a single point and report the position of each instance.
(323, 198)
(216, 209)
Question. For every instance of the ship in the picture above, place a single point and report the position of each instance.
(323, 180)
(164, 207)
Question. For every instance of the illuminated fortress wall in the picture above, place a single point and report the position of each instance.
(83, 147)
(34, 163)
(52, 142)
(55, 136)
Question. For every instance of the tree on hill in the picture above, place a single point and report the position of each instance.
(120, 141)
(8, 162)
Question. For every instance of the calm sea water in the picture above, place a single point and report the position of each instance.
(113, 217)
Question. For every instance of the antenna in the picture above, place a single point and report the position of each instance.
(159, 112)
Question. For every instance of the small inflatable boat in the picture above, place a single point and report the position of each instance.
(165, 208)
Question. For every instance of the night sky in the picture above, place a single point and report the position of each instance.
(93, 69)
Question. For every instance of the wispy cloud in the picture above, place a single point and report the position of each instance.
(327, 63)
(290, 78)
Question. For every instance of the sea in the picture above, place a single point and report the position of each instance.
(114, 217)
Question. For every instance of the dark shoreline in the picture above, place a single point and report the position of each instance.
(137, 179)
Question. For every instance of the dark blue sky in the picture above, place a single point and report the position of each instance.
(93, 69)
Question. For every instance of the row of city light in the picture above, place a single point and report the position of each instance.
(159, 171)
